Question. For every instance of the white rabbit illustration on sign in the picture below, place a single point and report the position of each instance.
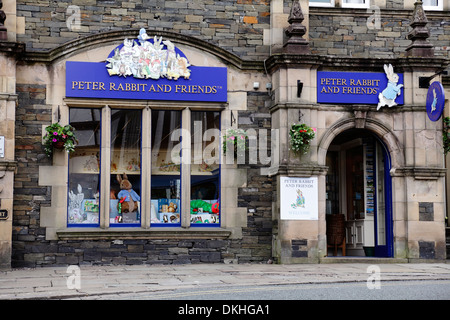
(387, 96)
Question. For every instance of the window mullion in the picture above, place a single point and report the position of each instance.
(105, 166)
(186, 168)
(146, 168)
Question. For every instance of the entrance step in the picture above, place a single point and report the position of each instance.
(371, 260)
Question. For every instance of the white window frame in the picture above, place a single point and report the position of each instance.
(322, 4)
(439, 7)
(366, 4)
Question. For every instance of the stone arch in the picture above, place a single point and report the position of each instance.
(380, 130)
(79, 45)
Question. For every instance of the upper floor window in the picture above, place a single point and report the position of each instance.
(344, 3)
(433, 4)
(321, 3)
(355, 3)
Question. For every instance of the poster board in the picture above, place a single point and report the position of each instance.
(299, 198)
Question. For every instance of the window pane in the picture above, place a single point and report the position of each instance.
(166, 173)
(320, 1)
(430, 2)
(355, 1)
(84, 168)
(205, 169)
(125, 167)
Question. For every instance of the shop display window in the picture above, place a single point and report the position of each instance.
(205, 168)
(84, 169)
(167, 191)
(125, 180)
(166, 169)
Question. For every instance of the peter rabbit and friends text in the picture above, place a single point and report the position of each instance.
(358, 87)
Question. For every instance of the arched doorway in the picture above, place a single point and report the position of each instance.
(358, 185)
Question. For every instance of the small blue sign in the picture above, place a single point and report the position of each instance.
(359, 88)
(92, 80)
(435, 101)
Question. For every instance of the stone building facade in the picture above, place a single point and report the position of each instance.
(276, 53)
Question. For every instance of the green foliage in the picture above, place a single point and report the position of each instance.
(446, 135)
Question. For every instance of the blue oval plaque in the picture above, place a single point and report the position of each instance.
(435, 101)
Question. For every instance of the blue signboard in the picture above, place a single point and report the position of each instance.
(92, 80)
(360, 87)
(435, 101)
(146, 69)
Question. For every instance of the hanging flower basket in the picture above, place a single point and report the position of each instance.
(237, 138)
(59, 137)
(301, 136)
(58, 145)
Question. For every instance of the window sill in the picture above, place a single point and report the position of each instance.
(139, 233)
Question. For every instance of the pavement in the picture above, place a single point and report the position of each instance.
(125, 281)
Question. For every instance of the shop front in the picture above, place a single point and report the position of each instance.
(375, 158)
(266, 135)
(149, 179)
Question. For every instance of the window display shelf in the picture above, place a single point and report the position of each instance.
(165, 173)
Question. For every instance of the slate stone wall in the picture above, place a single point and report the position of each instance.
(31, 113)
(345, 32)
(236, 26)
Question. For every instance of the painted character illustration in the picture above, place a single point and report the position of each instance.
(143, 59)
(387, 96)
(435, 100)
(300, 201)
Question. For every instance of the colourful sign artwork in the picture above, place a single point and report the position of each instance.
(146, 69)
(144, 59)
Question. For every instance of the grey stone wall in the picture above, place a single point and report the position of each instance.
(257, 195)
(236, 26)
(345, 32)
(31, 114)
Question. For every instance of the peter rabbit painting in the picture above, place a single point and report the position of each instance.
(392, 91)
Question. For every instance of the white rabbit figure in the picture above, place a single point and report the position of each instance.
(388, 95)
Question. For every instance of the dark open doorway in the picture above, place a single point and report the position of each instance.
(359, 188)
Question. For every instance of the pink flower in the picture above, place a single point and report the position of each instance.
(54, 140)
(55, 133)
(64, 136)
(232, 138)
